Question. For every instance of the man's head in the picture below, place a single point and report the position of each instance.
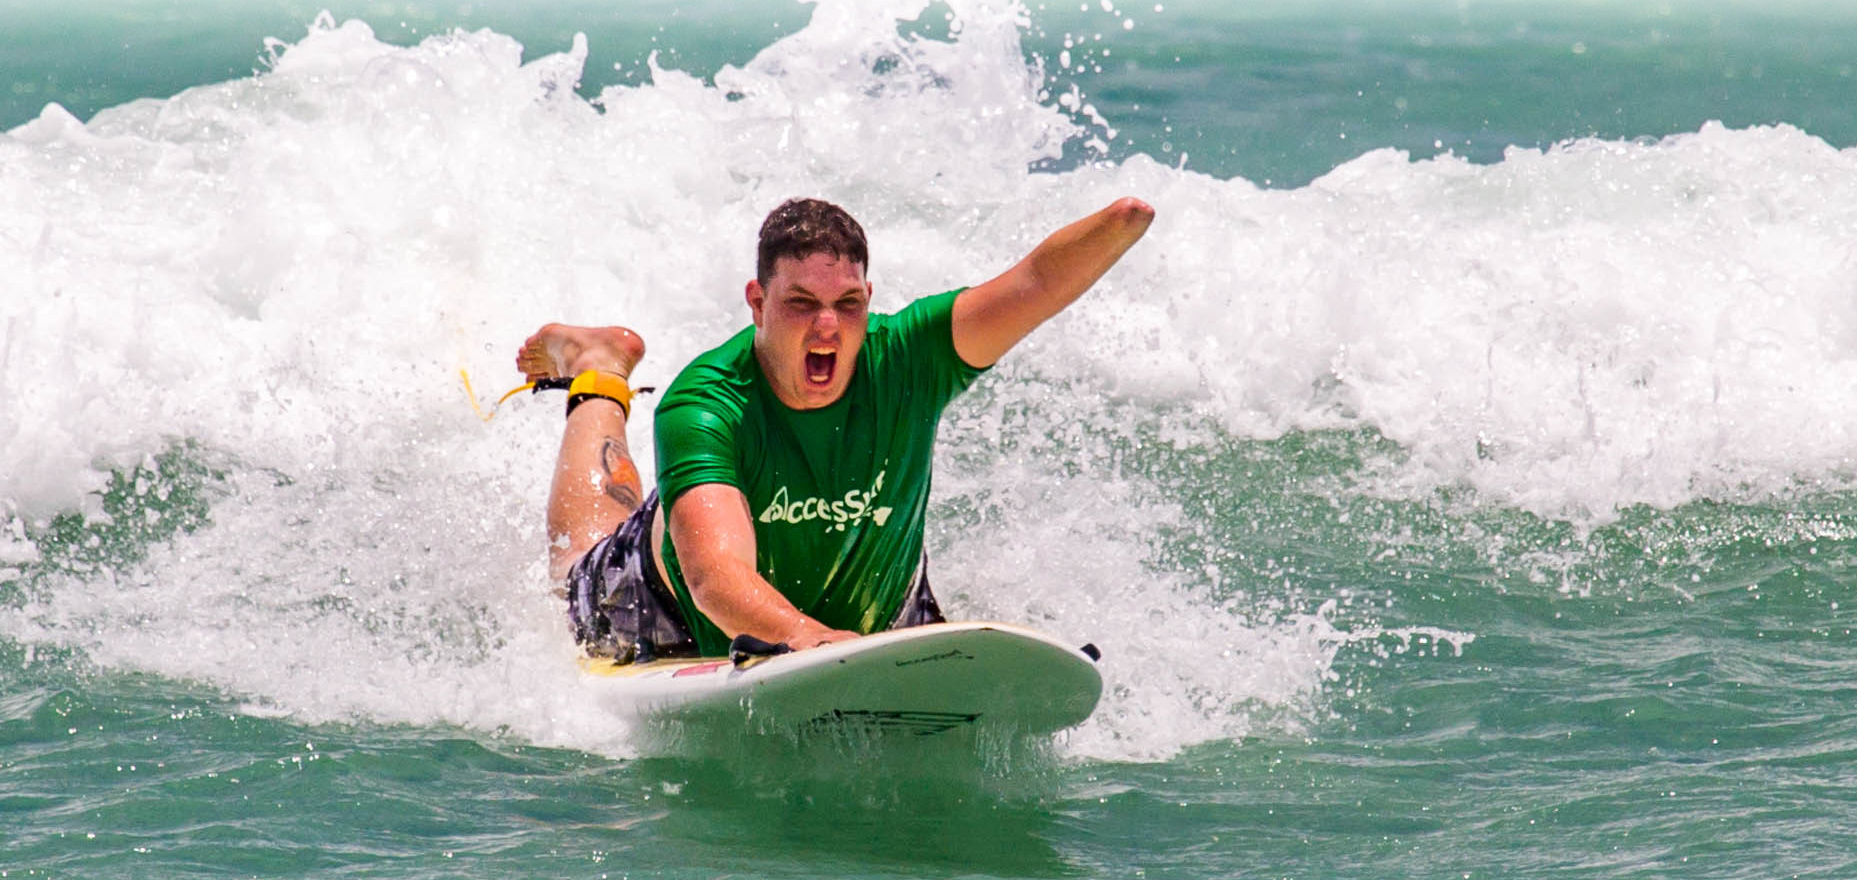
(811, 301)
(800, 228)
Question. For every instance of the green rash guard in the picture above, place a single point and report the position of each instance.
(838, 495)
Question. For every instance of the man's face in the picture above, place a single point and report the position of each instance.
(809, 322)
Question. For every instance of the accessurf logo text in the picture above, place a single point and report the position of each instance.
(837, 515)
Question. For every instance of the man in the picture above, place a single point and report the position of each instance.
(793, 460)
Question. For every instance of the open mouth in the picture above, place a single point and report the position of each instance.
(820, 364)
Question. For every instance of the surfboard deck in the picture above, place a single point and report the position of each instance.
(918, 682)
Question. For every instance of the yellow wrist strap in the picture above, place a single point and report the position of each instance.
(594, 383)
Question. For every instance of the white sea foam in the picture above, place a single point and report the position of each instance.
(289, 270)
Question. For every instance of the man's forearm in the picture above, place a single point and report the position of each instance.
(714, 538)
(991, 318)
(1072, 259)
(738, 600)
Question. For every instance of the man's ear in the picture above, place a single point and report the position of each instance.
(756, 299)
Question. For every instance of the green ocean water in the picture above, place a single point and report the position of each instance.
(1577, 602)
(1687, 717)
(1268, 91)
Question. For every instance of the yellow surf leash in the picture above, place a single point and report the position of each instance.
(591, 383)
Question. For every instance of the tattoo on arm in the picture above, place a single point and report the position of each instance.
(622, 483)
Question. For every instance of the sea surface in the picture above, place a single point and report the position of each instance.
(1460, 479)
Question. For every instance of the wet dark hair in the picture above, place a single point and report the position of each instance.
(800, 228)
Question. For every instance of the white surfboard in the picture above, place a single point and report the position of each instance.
(922, 681)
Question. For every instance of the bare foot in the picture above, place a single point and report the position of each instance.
(559, 350)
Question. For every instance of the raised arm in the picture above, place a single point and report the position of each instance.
(714, 533)
(991, 318)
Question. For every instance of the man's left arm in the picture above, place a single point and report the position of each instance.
(991, 318)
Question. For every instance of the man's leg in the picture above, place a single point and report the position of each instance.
(595, 484)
